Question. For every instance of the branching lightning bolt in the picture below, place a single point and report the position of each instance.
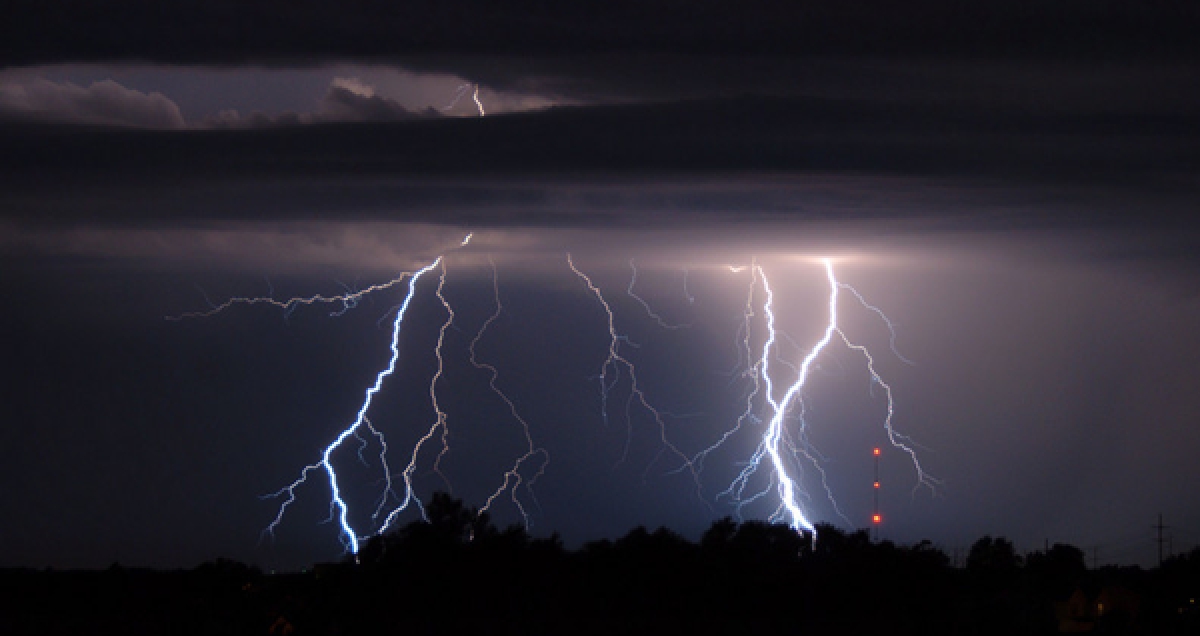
(775, 437)
(616, 361)
(348, 301)
(350, 538)
(441, 417)
(339, 509)
(513, 479)
(439, 422)
(897, 440)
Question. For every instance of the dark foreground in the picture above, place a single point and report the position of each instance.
(458, 574)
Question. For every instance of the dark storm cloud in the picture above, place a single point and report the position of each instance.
(515, 169)
(604, 51)
(228, 31)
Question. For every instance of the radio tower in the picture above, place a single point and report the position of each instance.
(876, 518)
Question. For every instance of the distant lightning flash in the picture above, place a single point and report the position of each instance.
(460, 92)
(478, 104)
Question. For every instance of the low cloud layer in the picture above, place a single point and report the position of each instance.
(347, 100)
(102, 103)
(108, 103)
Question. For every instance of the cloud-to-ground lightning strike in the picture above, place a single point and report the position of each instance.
(439, 420)
(350, 537)
(460, 92)
(339, 509)
(782, 454)
(775, 436)
(478, 104)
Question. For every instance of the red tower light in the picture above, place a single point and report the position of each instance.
(876, 452)
(876, 518)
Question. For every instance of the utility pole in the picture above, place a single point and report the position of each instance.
(1160, 540)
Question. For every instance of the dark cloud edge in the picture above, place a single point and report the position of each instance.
(630, 143)
(232, 32)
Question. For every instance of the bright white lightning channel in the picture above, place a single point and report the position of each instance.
(774, 437)
(478, 104)
(349, 536)
(339, 509)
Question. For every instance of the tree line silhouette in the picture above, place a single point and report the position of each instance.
(459, 573)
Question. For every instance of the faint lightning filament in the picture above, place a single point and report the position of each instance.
(513, 476)
(616, 361)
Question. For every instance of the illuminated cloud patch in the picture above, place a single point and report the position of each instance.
(103, 102)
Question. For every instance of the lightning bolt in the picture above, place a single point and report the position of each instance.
(461, 92)
(772, 440)
(439, 421)
(478, 104)
(349, 537)
(775, 436)
(645, 305)
(896, 439)
(686, 292)
(513, 479)
(616, 361)
(339, 509)
(347, 301)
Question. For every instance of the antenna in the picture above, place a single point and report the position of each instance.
(1160, 540)
(876, 518)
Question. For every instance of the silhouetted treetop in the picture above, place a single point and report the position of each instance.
(995, 555)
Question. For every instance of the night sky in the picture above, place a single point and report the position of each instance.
(1014, 184)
